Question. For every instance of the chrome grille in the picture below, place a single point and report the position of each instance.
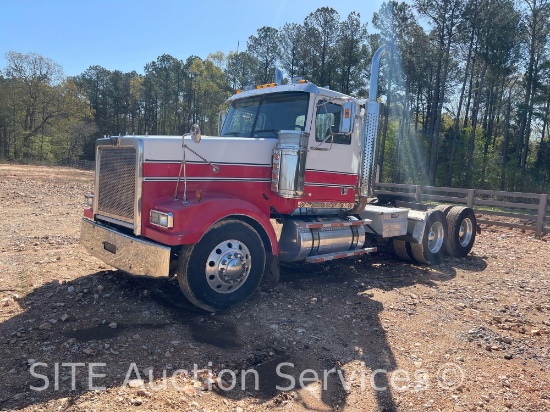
(117, 182)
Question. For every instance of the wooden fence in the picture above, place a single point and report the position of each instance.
(532, 210)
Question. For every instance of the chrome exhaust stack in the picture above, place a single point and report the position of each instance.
(370, 136)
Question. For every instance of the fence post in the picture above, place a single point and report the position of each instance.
(417, 193)
(540, 215)
(470, 198)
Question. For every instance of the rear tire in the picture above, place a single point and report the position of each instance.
(462, 231)
(432, 247)
(403, 249)
(224, 269)
(444, 208)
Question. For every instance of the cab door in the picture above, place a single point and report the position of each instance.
(333, 157)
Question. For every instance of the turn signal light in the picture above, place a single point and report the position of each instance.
(90, 199)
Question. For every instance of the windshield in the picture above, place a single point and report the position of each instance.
(265, 115)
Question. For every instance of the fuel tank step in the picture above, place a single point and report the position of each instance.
(339, 255)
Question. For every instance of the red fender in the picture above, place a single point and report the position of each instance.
(193, 219)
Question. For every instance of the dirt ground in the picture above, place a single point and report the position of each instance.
(368, 334)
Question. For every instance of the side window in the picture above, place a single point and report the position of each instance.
(328, 122)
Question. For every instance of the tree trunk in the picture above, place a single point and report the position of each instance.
(505, 142)
(459, 111)
(475, 110)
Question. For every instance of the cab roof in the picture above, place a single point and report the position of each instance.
(291, 87)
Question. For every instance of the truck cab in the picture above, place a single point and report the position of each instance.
(289, 178)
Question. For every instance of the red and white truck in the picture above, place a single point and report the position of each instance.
(289, 178)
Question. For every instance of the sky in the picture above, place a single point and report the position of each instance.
(126, 34)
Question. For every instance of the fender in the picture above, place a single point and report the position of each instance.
(193, 219)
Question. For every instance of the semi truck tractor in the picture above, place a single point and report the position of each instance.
(289, 178)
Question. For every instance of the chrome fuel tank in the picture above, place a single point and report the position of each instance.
(302, 238)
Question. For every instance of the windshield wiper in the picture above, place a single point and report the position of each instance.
(274, 131)
(231, 134)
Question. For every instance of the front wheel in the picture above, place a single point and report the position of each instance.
(224, 268)
(432, 247)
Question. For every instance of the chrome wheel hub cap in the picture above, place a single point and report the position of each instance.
(465, 232)
(435, 237)
(228, 266)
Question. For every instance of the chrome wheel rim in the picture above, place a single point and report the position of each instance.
(436, 237)
(465, 232)
(228, 266)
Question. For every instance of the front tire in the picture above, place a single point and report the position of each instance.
(224, 269)
(432, 247)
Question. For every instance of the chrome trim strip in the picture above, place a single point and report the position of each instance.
(332, 172)
(325, 205)
(139, 187)
(127, 253)
(152, 161)
(206, 179)
(330, 184)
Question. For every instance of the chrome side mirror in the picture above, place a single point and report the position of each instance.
(196, 133)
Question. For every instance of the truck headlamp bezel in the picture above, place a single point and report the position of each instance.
(161, 219)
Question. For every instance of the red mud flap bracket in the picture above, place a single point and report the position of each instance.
(339, 255)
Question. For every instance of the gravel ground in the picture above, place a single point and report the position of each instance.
(369, 334)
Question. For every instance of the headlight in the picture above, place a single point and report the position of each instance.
(90, 199)
(161, 219)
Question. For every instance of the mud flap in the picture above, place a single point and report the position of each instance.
(272, 271)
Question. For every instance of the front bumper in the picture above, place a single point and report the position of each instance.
(127, 253)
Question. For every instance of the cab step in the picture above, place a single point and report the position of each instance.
(339, 255)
